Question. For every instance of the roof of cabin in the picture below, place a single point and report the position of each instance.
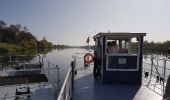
(119, 34)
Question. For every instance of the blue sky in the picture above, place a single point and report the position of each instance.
(72, 21)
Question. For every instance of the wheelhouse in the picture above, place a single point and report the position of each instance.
(122, 64)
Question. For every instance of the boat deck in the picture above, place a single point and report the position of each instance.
(86, 88)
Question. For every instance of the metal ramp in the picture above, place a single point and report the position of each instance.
(43, 82)
(12, 80)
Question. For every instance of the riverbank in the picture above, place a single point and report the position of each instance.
(10, 49)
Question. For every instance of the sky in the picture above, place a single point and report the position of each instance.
(72, 21)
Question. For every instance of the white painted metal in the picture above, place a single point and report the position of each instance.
(66, 90)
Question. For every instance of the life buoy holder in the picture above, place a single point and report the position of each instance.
(88, 58)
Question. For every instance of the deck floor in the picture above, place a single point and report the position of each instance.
(86, 88)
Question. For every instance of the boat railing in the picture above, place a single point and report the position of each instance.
(67, 87)
(156, 70)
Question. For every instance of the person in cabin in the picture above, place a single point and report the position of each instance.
(109, 44)
(112, 47)
(97, 59)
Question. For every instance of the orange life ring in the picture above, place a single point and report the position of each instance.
(88, 58)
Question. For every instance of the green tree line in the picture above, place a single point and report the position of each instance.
(61, 46)
(16, 39)
(154, 47)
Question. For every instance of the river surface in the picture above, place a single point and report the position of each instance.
(63, 58)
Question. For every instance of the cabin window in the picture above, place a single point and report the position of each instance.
(122, 46)
(122, 53)
(134, 45)
(112, 46)
(115, 46)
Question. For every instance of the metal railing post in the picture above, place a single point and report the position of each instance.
(42, 61)
(48, 69)
(57, 88)
(75, 62)
(164, 75)
(151, 70)
(58, 78)
(72, 76)
(10, 60)
(17, 58)
(151, 66)
(48, 65)
(39, 58)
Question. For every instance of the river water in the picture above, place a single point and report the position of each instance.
(63, 58)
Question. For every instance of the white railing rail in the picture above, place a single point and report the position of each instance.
(66, 90)
(67, 87)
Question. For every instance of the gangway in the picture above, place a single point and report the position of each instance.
(43, 81)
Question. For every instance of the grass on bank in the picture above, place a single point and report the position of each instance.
(10, 49)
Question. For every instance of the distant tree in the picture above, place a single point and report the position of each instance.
(60, 46)
(21, 38)
(25, 29)
(54, 46)
(25, 36)
(44, 44)
(8, 36)
(14, 28)
(3, 51)
(2, 24)
(50, 45)
(19, 27)
(29, 44)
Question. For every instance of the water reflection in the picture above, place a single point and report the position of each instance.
(44, 51)
(63, 58)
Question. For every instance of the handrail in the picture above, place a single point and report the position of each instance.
(67, 87)
(158, 70)
(157, 58)
(63, 95)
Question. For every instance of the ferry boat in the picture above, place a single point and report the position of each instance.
(124, 75)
